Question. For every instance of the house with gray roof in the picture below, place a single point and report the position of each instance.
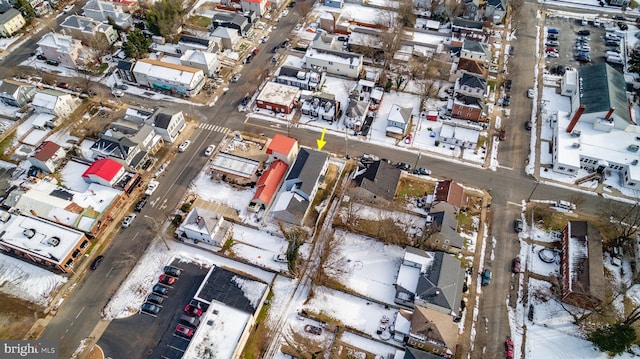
(496, 9)
(327, 53)
(88, 30)
(232, 21)
(103, 11)
(205, 61)
(229, 37)
(475, 50)
(204, 225)
(414, 353)
(376, 182)
(300, 186)
(119, 148)
(303, 79)
(430, 279)
(602, 89)
(321, 105)
(11, 21)
(198, 42)
(168, 124)
(467, 28)
(398, 121)
(469, 98)
(16, 94)
(443, 233)
(355, 113)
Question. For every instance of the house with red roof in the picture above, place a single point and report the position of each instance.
(268, 185)
(283, 148)
(259, 7)
(48, 156)
(450, 192)
(104, 171)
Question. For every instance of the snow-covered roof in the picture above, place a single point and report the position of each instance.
(166, 71)
(199, 57)
(235, 165)
(40, 119)
(47, 98)
(219, 333)
(63, 43)
(466, 133)
(399, 114)
(278, 94)
(50, 241)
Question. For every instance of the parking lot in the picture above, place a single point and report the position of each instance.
(568, 34)
(143, 335)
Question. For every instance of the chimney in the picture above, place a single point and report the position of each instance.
(33, 212)
(609, 113)
(575, 118)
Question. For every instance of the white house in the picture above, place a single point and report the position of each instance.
(48, 156)
(89, 30)
(102, 11)
(53, 102)
(168, 124)
(183, 80)
(259, 7)
(203, 225)
(64, 50)
(458, 134)
(202, 60)
(475, 50)
(327, 54)
(398, 121)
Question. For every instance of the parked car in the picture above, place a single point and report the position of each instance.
(422, 171)
(552, 37)
(291, 4)
(96, 262)
(285, 13)
(190, 320)
(172, 271)
(506, 101)
(153, 185)
(583, 48)
(403, 166)
(183, 331)
(528, 125)
(552, 43)
(507, 85)
(141, 203)
(236, 77)
(209, 150)
(518, 225)
(160, 289)
(117, 93)
(183, 146)
(121, 86)
(502, 135)
(612, 43)
(63, 85)
(68, 8)
(255, 50)
(623, 26)
(551, 49)
(584, 32)
(282, 258)
(150, 308)
(369, 158)
(167, 279)
(508, 349)
(262, 40)
(486, 277)
(128, 219)
(193, 310)
(312, 329)
(614, 60)
(515, 265)
(248, 59)
(154, 298)
(553, 31)
(552, 54)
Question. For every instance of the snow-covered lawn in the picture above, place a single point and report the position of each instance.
(26, 281)
(224, 193)
(536, 265)
(351, 311)
(370, 267)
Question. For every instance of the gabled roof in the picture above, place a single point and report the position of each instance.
(270, 181)
(450, 192)
(497, 4)
(466, 23)
(10, 87)
(476, 67)
(473, 81)
(356, 109)
(225, 32)
(125, 65)
(8, 15)
(585, 268)
(400, 114)
(47, 98)
(441, 284)
(602, 88)
(307, 169)
(114, 147)
(381, 179)
(435, 327)
(447, 228)
(163, 119)
(46, 150)
(104, 168)
(281, 144)
(413, 353)
(475, 46)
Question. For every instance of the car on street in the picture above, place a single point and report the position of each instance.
(63, 85)
(528, 125)
(422, 171)
(531, 93)
(121, 86)
(127, 220)
(552, 37)
(152, 187)
(193, 310)
(274, 49)
(508, 84)
(551, 49)
(515, 265)
(183, 331)
(209, 150)
(161, 169)
(403, 166)
(506, 101)
(117, 93)
(96, 262)
(263, 39)
(160, 289)
(150, 308)
(508, 348)
(486, 277)
(236, 77)
(518, 225)
(141, 203)
(369, 158)
(502, 134)
(154, 298)
(167, 279)
(172, 271)
(285, 13)
(184, 145)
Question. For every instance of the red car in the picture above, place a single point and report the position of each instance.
(183, 331)
(192, 309)
(255, 51)
(167, 279)
(508, 348)
(551, 49)
(502, 135)
(515, 265)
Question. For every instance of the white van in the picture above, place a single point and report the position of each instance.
(568, 206)
(596, 22)
(612, 54)
(584, 21)
(614, 59)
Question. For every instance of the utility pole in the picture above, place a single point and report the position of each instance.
(417, 159)
(532, 191)
(157, 231)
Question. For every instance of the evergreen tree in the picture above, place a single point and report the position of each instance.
(25, 8)
(165, 17)
(137, 44)
(614, 339)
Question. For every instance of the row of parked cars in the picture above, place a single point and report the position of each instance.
(160, 290)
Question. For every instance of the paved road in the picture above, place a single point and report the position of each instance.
(80, 312)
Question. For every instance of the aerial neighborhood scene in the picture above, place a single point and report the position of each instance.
(351, 179)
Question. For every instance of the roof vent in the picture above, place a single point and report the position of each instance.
(53, 241)
(576, 145)
(576, 133)
(634, 162)
(29, 232)
(633, 148)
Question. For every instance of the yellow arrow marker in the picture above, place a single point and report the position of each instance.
(321, 142)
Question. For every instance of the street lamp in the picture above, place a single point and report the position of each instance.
(157, 231)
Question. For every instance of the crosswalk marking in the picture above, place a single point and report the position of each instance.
(212, 127)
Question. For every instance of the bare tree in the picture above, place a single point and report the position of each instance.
(623, 220)
(406, 15)
(435, 5)
(101, 45)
